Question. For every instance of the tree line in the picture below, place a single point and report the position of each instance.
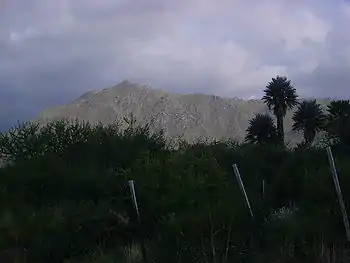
(64, 195)
(309, 118)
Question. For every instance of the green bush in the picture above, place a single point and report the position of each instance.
(65, 193)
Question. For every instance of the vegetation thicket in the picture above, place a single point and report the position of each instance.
(64, 194)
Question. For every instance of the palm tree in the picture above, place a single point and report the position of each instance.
(338, 109)
(308, 118)
(280, 96)
(338, 121)
(261, 130)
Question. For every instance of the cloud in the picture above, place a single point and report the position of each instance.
(52, 51)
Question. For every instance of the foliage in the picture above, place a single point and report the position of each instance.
(280, 96)
(338, 121)
(68, 204)
(308, 118)
(261, 130)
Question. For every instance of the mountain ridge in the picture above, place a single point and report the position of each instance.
(190, 116)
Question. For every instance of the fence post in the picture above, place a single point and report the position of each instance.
(263, 189)
(241, 186)
(134, 201)
(339, 193)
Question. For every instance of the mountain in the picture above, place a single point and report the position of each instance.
(191, 116)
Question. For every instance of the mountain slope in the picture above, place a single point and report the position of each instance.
(191, 116)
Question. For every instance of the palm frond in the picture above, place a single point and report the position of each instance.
(280, 95)
(261, 130)
(309, 118)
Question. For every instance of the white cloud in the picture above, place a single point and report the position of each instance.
(27, 34)
(346, 9)
(235, 45)
(308, 67)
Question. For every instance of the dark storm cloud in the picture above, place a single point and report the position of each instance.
(52, 51)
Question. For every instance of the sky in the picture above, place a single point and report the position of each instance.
(53, 51)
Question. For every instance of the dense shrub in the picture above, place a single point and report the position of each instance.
(65, 196)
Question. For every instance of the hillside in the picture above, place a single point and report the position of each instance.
(191, 116)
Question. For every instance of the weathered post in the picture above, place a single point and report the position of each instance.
(241, 186)
(255, 227)
(263, 189)
(339, 193)
(134, 201)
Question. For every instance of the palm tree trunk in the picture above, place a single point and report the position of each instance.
(309, 137)
(306, 139)
(280, 128)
